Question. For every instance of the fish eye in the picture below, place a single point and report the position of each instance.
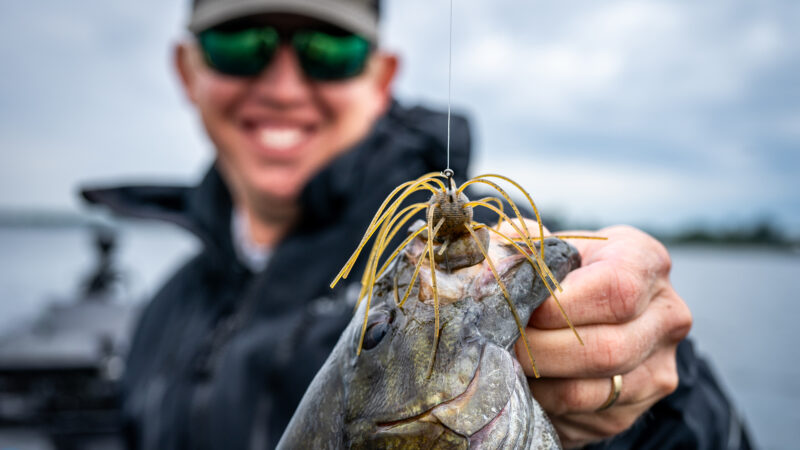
(377, 329)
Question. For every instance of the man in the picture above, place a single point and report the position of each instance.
(296, 98)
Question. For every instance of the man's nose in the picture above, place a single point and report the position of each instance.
(282, 82)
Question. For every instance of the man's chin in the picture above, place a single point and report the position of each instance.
(277, 195)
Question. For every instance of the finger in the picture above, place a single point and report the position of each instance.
(575, 414)
(608, 349)
(605, 351)
(578, 430)
(559, 396)
(600, 293)
(573, 435)
(620, 241)
(616, 281)
(654, 379)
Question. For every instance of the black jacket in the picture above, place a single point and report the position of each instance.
(222, 356)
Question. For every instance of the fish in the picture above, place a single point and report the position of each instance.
(383, 387)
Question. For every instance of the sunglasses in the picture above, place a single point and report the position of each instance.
(323, 56)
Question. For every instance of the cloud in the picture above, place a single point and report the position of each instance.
(649, 106)
(626, 96)
(91, 96)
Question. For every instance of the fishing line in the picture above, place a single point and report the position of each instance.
(448, 172)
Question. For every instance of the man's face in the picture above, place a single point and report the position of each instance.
(274, 131)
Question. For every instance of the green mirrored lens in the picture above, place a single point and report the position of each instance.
(328, 57)
(241, 52)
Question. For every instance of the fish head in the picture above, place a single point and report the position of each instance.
(468, 392)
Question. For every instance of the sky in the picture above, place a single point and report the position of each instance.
(655, 113)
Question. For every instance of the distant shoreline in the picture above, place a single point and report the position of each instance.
(759, 233)
(45, 219)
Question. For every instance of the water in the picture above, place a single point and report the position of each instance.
(744, 303)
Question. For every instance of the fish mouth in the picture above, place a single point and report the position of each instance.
(473, 413)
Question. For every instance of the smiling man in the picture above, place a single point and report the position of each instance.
(296, 99)
(281, 95)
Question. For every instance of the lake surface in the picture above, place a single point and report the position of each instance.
(744, 301)
(745, 304)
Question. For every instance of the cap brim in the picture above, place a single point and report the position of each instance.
(349, 16)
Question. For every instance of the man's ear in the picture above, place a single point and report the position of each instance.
(388, 65)
(185, 61)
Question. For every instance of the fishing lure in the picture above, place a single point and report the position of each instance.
(449, 222)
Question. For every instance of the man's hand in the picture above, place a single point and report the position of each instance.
(631, 321)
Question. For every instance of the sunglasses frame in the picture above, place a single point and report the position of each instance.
(311, 69)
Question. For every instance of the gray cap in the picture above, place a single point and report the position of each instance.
(357, 16)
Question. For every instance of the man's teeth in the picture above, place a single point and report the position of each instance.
(280, 139)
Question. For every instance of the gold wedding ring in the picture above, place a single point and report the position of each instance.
(616, 388)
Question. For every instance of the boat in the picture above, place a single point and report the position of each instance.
(60, 374)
